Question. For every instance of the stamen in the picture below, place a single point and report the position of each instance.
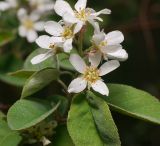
(91, 74)
(28, 24)
(82, 14)
(68, 33)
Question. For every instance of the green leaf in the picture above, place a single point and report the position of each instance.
(82, 126)
(64, 61)
(48, 63)
(2, 115)
(7, 136)
(38, 81)
(27, 113)
(133, 102)
(12, 80)
(24, 74)
(103, 120)
(63, 107)
(6, 37)
(62, 137)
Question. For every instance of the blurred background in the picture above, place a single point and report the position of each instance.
(139, 20)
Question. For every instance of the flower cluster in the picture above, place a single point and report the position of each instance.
(104, 47)
(29, 15)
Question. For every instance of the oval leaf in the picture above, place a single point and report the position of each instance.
(133, 102)
(104, 121)
(62, 137)
(6, 37)
(7, 136)
(38, 81)
(82, 124)
(64, 62)
(26, 113)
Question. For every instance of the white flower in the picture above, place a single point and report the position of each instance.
(64, 31)
(7, 4)
(91, 75)
(29, 25)
(51, 44)
(41, 6)
(80, 15)
(107, 45)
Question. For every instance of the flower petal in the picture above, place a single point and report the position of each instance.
(108, 67)
(114, 37)
(4, 6)
(32, 36)
(80, 5)
(53, 28)
(61, 7)
(111, 48)
(78, 27)
(95, 58)
(22, 14)
(22, 31)
(68, 17)
(78, 63)
(68, 45)
(39, 26)
(120, 55)
(43, 41)
(98, 38)
(77, 85)
(104, 11)
(100, 87)
(41, 57)
(34, 16)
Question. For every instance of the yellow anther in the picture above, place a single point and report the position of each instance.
(68, 33)
(82, 14)
(91, 74)
(28, 24)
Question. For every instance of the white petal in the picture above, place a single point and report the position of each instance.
(68, 45)
(61, 7)
(100, 87)
(70, 18)
(78, 27)
(95, 58)
(98, 38)
(4, 6)
(77, 85)
(41, 57)
(108, 67)
(53, 28)
(114, 37)
(104, 11)
(22, 31)
(120, 55)
(56, 40)
(22, 14)
(34, 16)
(43, 41)
(111, 49)
(39, 26)
(80, 5)
(32, 36)
(96, 27)
(78, 63)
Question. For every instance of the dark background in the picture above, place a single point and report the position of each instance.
(139, 20)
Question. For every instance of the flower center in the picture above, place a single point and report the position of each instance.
(54, 48)
(91, 74)
(68, 33)
(103, 44)
(28, 24)
(82, 14)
